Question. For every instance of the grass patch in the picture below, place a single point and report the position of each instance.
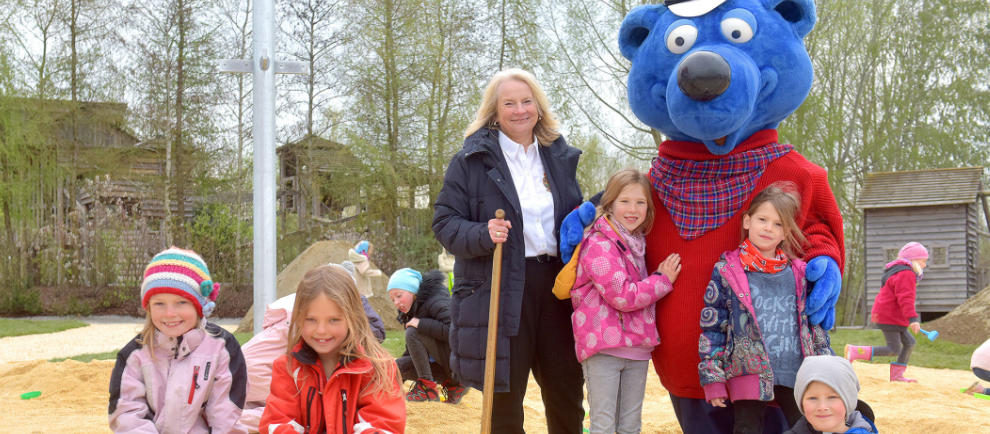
(939, 353)
(243, 337)
(395, 342)
(20, 327)
(89, 357)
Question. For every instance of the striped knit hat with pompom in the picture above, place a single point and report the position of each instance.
(183, 273)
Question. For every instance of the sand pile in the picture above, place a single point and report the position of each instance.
(968, 323)
(320, 253)
(74, 400)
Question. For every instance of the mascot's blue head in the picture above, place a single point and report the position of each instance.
(717, 71)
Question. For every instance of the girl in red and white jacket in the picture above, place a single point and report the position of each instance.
(614, 299)
(893, 310)
(335, 377)
(181, 374)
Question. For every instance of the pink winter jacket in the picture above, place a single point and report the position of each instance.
(192, 384)
(613, 304)
(259, 353)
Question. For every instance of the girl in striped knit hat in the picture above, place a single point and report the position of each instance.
(181, 373)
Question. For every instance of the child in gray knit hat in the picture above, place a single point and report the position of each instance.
(826, 391)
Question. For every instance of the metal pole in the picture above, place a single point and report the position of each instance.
(264, 158)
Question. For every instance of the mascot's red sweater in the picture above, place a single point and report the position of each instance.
(676, 358)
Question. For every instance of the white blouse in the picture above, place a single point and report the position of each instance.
(533, 189)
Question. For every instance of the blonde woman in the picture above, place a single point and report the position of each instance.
(513, 159)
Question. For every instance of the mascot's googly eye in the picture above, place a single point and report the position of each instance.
(736, 30)
(681, 38)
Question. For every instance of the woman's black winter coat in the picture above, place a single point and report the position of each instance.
(478, 182)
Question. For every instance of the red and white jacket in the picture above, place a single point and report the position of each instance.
(191, 384)
(304, 400)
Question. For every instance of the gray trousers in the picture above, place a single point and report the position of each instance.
(417, 364)
(615, 393)
(899, 342)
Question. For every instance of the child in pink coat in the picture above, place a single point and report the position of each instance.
(614, 300)
(182, 374)
(894, 312)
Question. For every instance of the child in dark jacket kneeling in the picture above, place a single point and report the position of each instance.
(826, 391)
(424, 310)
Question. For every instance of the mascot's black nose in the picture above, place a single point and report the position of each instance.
(703, 75)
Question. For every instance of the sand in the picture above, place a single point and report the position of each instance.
(74, 400)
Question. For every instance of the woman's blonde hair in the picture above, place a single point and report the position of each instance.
(337, 284)
(547, 126)
(784, 197)
(616, 183)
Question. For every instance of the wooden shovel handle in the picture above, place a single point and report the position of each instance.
(489, 386)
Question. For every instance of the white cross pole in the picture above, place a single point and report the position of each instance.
(264, 68)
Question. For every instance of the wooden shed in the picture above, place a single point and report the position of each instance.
(318, 178)
(938, 208)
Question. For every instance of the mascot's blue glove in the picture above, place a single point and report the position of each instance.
(825, 281)
(572, 229)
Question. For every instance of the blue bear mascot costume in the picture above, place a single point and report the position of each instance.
(716, 77)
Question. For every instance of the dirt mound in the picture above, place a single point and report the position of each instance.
(968, 323)
(318, 254)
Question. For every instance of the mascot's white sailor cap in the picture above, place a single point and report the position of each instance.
(691, 8)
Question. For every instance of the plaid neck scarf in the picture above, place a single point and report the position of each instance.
(702, 195)
(752, 260)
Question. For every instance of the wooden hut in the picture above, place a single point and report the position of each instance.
(318, 178)
(321, 179)
(937, 208)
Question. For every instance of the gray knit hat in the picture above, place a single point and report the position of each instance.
(835, 372)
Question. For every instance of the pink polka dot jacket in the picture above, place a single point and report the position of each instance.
(614, 297)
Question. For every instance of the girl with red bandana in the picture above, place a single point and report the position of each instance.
(754, 332)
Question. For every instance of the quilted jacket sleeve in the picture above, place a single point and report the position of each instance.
(462, 237)
(712, 343)
(436, 322)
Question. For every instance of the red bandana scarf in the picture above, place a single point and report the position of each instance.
(702, 195)
(752, 260)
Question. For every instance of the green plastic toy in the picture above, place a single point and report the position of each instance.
(29, 395)
(977, 395)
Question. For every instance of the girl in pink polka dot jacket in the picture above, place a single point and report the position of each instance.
(614, 298)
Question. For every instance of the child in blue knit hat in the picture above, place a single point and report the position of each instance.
(182, 373)
(423, 303)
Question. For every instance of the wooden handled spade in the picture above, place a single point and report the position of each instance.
(489, 386)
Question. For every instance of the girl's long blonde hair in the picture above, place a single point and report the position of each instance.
(620, 180)
(546, 129)
(336, 283)
(784, 197)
